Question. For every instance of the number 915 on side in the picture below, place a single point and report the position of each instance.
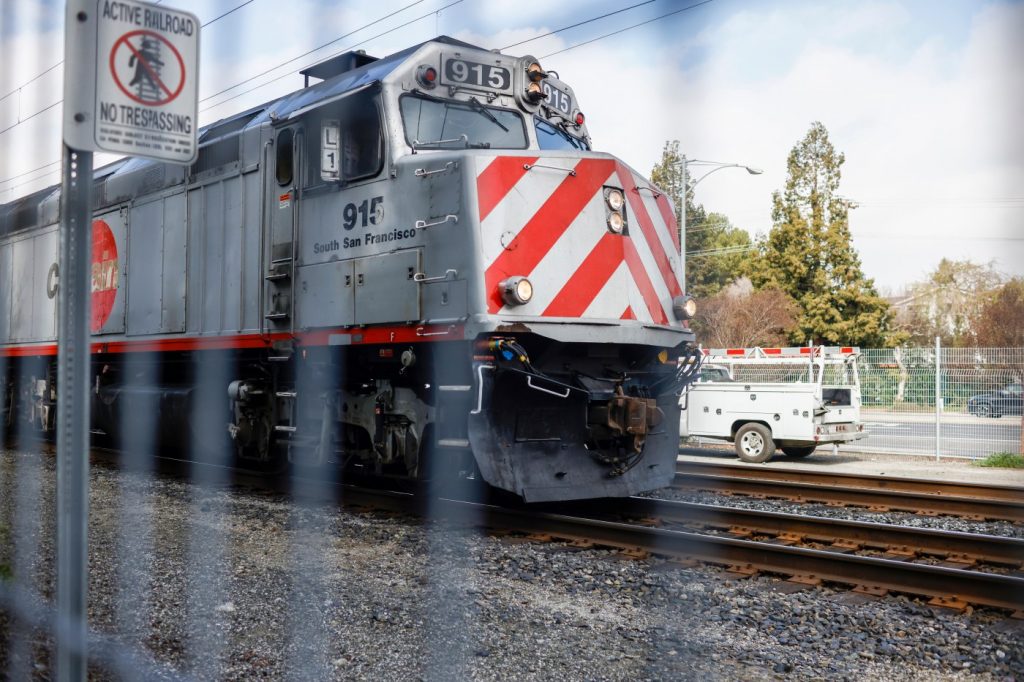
(474, 74)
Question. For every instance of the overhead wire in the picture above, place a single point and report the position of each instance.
(286, 75)
(628, 28)
(317, 49)
(581, 23)
(51, 106)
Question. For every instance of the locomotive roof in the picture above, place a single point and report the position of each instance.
(39, 207)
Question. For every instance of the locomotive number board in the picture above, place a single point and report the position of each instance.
(558, 99)
(456, 71)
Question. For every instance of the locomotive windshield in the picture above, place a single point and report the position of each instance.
(433, 123)
(552, 137)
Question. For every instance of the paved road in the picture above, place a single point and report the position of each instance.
(974, 437)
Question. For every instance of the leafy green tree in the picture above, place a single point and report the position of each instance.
(945, 303)
(1000, 324)
(715, 253)
(808, 253)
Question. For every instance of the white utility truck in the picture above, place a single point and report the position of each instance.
(794, 399)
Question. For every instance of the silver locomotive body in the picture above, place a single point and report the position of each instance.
(414, 265)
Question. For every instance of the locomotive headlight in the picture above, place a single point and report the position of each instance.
(615, 222)
(535, 93)
(684, 307)
(615, 199)
(535, 73)
(516, 290)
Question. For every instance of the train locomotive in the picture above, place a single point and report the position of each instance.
(413, 259)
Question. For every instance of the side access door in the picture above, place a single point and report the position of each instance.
(283, 195)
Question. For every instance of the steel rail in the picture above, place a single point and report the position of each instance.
(987, 589)
(952, 545)
(886, 483)
(897, 500)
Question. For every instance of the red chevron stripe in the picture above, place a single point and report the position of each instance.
(498, 179)
(643, 218)
(629, 314)
(643, 282)
(547, 225)
(669, 216)
(588, 280)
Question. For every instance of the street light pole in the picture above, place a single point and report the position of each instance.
(687, 186)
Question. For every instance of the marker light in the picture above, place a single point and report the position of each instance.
(516, 290)
(615, 222)
(615, 199)
(684, 307)
(580, 119)
(427, 76)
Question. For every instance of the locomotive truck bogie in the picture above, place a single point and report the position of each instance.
(417, 264)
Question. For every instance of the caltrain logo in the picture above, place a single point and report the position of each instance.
(104, 273)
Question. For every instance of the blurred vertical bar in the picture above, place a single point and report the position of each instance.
(210, 459)
(314, 474)
(73, 414)
(136, 435)
(938, 398)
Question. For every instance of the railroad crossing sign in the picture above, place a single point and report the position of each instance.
(138, 93)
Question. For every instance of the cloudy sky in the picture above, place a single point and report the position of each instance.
(925, 99)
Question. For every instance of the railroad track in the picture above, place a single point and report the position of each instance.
(878, 493)
(954, 584)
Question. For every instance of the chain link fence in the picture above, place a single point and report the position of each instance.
(953, 402)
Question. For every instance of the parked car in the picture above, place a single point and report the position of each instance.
(712, 373)
(1007, 400)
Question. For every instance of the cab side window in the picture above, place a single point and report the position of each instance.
(362, 140)
(346, 141)
(284, 156)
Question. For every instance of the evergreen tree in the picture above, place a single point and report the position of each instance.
(809, 255)
(716, 252)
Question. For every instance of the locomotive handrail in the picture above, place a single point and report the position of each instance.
(570, 171)
(423, 172)
(480, 388)
(422, 278)
(529, 382)
(416, 144)
(423, 224)
(420, 332)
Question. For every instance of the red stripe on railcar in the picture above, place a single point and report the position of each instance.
(669, 216)
(498, 179)
(547, 226)
(643, 282)
(588, 280)
(322, 337)
(643, 219)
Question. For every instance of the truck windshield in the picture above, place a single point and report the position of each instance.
(432, 123)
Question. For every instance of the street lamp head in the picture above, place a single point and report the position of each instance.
(754, 171)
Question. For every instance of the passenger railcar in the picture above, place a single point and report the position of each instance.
(416, 259)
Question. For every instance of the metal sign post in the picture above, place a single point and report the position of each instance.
(73, 414)
(130, 86)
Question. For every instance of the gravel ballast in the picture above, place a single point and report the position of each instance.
(229, 583)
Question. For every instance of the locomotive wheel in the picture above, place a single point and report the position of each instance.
(754, 443)
(798, 450)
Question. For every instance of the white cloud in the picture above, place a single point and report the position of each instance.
(928, 113)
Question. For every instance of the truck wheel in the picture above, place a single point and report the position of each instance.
(798, 450)
(754, 443)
